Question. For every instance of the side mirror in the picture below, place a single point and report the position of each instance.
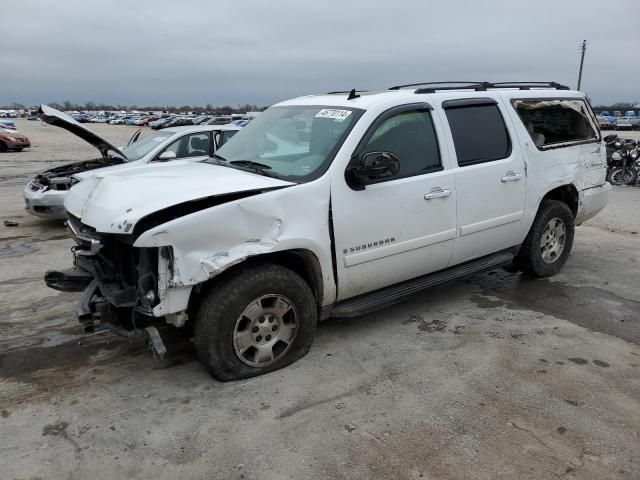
(374, 166)
(167, 155)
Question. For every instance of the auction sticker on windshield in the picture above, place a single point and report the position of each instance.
(338, 115)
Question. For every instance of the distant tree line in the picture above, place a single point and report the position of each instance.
(620, 106)
(91, 106)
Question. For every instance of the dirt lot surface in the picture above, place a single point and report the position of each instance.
(494, 377)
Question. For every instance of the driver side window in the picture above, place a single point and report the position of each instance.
(194, 145)
(411, 137)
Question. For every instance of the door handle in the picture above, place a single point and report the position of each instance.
(511, 177)
(437, 193)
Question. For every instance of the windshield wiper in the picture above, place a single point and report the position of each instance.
(258, 167)
(220, 158)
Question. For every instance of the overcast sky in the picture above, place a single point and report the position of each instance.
(235, 52)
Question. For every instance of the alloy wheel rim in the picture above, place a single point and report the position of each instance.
(554, 237)
(265, 330)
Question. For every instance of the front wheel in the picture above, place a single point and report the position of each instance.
(254, 320)
(547, 246)
(619, 177)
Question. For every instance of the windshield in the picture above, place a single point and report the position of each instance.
(293, 142)
(139, 149)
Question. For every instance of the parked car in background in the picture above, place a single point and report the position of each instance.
(219, 120)
(626, 123)
(178, 122)
(44, 195)
(612, 120)
(201, 119)
(10, 140)
(604, 123)
(8, 124)
(158, 124)
(144, 121)
(81, 118)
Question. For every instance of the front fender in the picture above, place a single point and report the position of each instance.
(208, 242)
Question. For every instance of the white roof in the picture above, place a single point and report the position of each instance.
(367, 100)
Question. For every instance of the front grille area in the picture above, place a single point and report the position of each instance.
(123, 272)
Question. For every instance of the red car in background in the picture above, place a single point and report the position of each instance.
(12, 140)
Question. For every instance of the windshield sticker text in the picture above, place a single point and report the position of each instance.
(338, 115)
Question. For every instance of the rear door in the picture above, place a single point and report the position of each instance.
(489, 178)
(562, 142)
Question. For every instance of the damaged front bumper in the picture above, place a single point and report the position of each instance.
(94, 313)
(121, 285)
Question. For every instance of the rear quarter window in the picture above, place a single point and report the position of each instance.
(556, 122)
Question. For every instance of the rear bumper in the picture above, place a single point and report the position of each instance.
(592, 201)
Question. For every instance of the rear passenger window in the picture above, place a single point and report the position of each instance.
(554, 122)
(479, 133)
(411, 137)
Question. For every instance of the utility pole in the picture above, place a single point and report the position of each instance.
(583, 49)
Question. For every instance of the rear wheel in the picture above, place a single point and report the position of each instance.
(619, 177)
(254, 320)
(3, 147)
(547, 246)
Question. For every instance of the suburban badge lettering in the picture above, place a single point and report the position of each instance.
(367, 246)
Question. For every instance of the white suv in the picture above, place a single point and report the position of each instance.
(334, 205)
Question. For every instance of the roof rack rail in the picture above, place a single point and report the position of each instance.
(432, 87)
(466, 82)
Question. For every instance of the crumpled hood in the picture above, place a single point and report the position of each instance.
(62, 120)
(114, 202)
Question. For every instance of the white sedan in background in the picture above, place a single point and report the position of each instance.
(44, 195)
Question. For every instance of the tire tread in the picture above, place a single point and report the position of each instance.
(529, 259)
(223, 297)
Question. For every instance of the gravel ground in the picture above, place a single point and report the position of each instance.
(493, 377)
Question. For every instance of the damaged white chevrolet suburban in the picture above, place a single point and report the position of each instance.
(334, 205)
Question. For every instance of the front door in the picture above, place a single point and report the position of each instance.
(402, 226)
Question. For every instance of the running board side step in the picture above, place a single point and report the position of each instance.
(384, 297)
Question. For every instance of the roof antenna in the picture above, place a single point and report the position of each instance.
(352, 94)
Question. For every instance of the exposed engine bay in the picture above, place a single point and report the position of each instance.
(59, 178)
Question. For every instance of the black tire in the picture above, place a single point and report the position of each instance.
(3, 147)
(616, 177)
(221, 310)
(530, 258)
